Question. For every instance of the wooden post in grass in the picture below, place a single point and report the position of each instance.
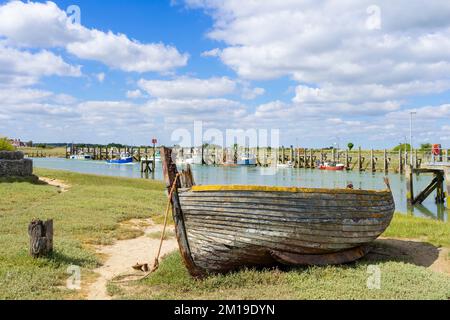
(41, 238)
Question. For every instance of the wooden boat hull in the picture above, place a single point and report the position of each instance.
(233, 226)
(223, 228)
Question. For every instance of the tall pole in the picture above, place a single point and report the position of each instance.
(411, 136)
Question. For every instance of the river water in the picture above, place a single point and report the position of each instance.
(262, 176)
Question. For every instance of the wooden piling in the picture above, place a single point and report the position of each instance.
(372, 161)
(386, 161)
(409, 184)
(447, 183)
(347, 162)
(359, 159)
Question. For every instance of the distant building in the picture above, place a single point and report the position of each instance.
(17, 143)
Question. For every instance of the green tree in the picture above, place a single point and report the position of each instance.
(5, 145)
(350, 146)
(403, 147)
(425, 146)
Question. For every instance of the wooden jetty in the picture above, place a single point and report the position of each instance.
(357, 160)
(440, 183)
(223, 228)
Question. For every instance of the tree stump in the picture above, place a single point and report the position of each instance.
(41, 238)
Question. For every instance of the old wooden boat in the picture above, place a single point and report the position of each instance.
(222, 228)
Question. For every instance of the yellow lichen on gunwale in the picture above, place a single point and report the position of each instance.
(282, 189)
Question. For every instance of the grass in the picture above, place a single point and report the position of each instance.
(431, 231)
(398, 281)
(90, 213)
(57, 152)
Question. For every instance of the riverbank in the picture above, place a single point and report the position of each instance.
(90, 214)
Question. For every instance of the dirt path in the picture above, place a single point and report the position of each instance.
(125, 253)
(61, 185)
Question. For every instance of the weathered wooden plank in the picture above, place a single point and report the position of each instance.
(283, 236)
(318, 208)
(296, 228)
(218, 237)
(307, 217)
(328, 226)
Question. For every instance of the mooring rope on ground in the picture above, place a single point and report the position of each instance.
(163, 233)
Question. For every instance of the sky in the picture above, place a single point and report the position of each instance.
(322, 72)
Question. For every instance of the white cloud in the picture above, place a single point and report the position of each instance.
(338, 63)
(134, 94)
(20, 68)
(100, 77)
(252, 93)
(45, 25)
(119, 52)
(184, 87)
(211, 53)
(329, 41)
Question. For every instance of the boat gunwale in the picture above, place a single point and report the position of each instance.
(256, 188)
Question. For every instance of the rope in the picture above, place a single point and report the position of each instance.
(156, 262)
(172, 189)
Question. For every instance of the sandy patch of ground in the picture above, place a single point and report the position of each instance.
(412, 251)
(63, 187)
(122, 255)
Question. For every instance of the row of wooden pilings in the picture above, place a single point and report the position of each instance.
(108, 153)
(359, 160)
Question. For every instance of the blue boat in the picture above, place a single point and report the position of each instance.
(124, 159)
(248, 160)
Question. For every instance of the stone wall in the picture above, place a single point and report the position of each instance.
(13, 164)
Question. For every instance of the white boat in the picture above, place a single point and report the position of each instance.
(248, 160)
(286, 165)
(81, 157)
(196, 159)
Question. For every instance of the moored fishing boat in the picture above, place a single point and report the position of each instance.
(247, 160)
(82, 156)
(223, 228)
(124, 158)
(331, 166)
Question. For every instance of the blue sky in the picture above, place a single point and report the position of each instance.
(319, 72)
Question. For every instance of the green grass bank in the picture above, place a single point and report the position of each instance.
(89, 214)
